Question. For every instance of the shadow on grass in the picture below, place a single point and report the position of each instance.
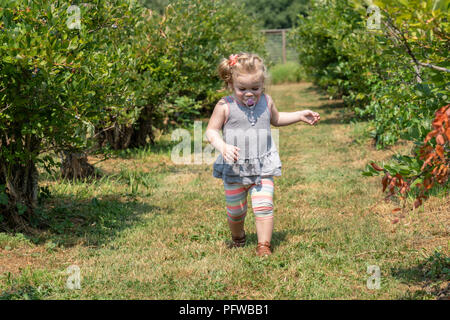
(278, 237)
(432, 275)
(344, 114)
(161, 147)
(318, 91)
(67, 222)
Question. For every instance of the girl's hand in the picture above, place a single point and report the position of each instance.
(309, 117)
(230, 153)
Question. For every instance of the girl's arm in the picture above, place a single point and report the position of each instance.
(215, 125)
(279, 119)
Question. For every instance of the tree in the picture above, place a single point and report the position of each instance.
(178, 66)
(57, 76)
(281, 14)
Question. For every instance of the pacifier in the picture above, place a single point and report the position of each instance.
(251, 116)
(250, 102)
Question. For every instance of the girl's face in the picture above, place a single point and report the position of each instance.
(248, 86)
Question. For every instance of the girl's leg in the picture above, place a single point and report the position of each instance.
(262, 203)
(236, 228)
(236, 201)
(264, 229)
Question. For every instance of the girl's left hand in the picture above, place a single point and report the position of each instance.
(309, 117)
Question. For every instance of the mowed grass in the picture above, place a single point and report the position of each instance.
(151, 229)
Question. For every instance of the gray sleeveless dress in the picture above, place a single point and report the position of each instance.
(258, 155)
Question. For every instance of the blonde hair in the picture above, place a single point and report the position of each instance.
(242, 63)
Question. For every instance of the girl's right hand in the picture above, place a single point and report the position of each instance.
(230, 153)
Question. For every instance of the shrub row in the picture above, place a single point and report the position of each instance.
(103, 73)
(388, 61)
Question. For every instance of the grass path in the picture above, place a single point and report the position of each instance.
(150, 229)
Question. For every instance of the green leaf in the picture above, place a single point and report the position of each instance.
(21, 208)
(3, 199)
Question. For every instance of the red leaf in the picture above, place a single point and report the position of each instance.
(396, 210)
(437, 122)
(394, 221)
(446, 109)
(435, 170)
(400, 181)
(374, 165)
(384, 182)
(440, 151)
(403, 189)
(392, 184)
(441, 169)
(417, 203)
(430, 135)
(440, 139)
(429, 158)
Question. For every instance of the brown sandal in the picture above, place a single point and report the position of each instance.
(263, 249)
(238, 242)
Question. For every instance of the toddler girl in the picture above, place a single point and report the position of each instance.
(249, 158)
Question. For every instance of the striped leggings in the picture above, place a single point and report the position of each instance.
(262, 200)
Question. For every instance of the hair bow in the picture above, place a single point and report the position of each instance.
(232, 60)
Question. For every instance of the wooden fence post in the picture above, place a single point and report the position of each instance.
(283, 37)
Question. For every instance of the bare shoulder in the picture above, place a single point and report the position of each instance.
(219, 115)
(270, 104)
(222, 103)
(274, 115)
(269, 99)
(222, 107)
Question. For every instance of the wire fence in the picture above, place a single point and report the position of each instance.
(277, 46)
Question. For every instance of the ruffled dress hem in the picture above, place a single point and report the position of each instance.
(248, 171)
